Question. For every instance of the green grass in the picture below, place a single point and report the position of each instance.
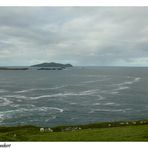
(90, 132)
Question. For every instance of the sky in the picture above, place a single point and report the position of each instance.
(82, 36)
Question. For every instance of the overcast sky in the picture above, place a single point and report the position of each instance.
(99, 36)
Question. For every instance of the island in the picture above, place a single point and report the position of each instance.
(52, 66)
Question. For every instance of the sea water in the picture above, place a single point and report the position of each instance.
(77, 95)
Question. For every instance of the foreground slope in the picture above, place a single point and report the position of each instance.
(31, 133)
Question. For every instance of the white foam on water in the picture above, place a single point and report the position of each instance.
(16, 96)
(4, 101)
(109, 92)
(26, 111)
(100, 76)
(40, 89)
(47, 96)
(89, 92)
(95, 104)
(20, 105)
(107, 110)
(100, 97)
(123, 85)
(121, 88)
(137, 79)
(50, 108)
(50, 118)
(110, 110)
(106, 104)
(73, 103)
(114, 92)
(128, 82)
(23, 91)
(94, 81)
(83, 93)
(111, 104)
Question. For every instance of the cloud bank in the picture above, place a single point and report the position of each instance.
(86, 36)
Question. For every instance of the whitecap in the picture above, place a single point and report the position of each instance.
(94, 81)
(4, 101)
(107, 110)
(128, 82)
(111, 104)
(39, 89)
(100, 76)
(50, 118)
(110, 110)
(121, 88)
(72, 103)
(137, 79)
(23, 91)
(96, 104)
(50, 108)
(26, 111)
(114, 92)
(16, 96)
(83, 93)
(89, 92)
(100, 97)
(47, 96)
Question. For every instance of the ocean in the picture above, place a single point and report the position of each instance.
(78, 95)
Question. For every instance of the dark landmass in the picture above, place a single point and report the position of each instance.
(106, 131)
(56, 68)
(52, 64)
(7, 68)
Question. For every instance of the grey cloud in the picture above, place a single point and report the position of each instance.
(103, 36)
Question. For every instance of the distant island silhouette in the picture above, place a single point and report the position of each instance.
(52, 65)
(42, 66)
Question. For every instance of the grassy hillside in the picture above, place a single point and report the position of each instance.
(128, 132)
